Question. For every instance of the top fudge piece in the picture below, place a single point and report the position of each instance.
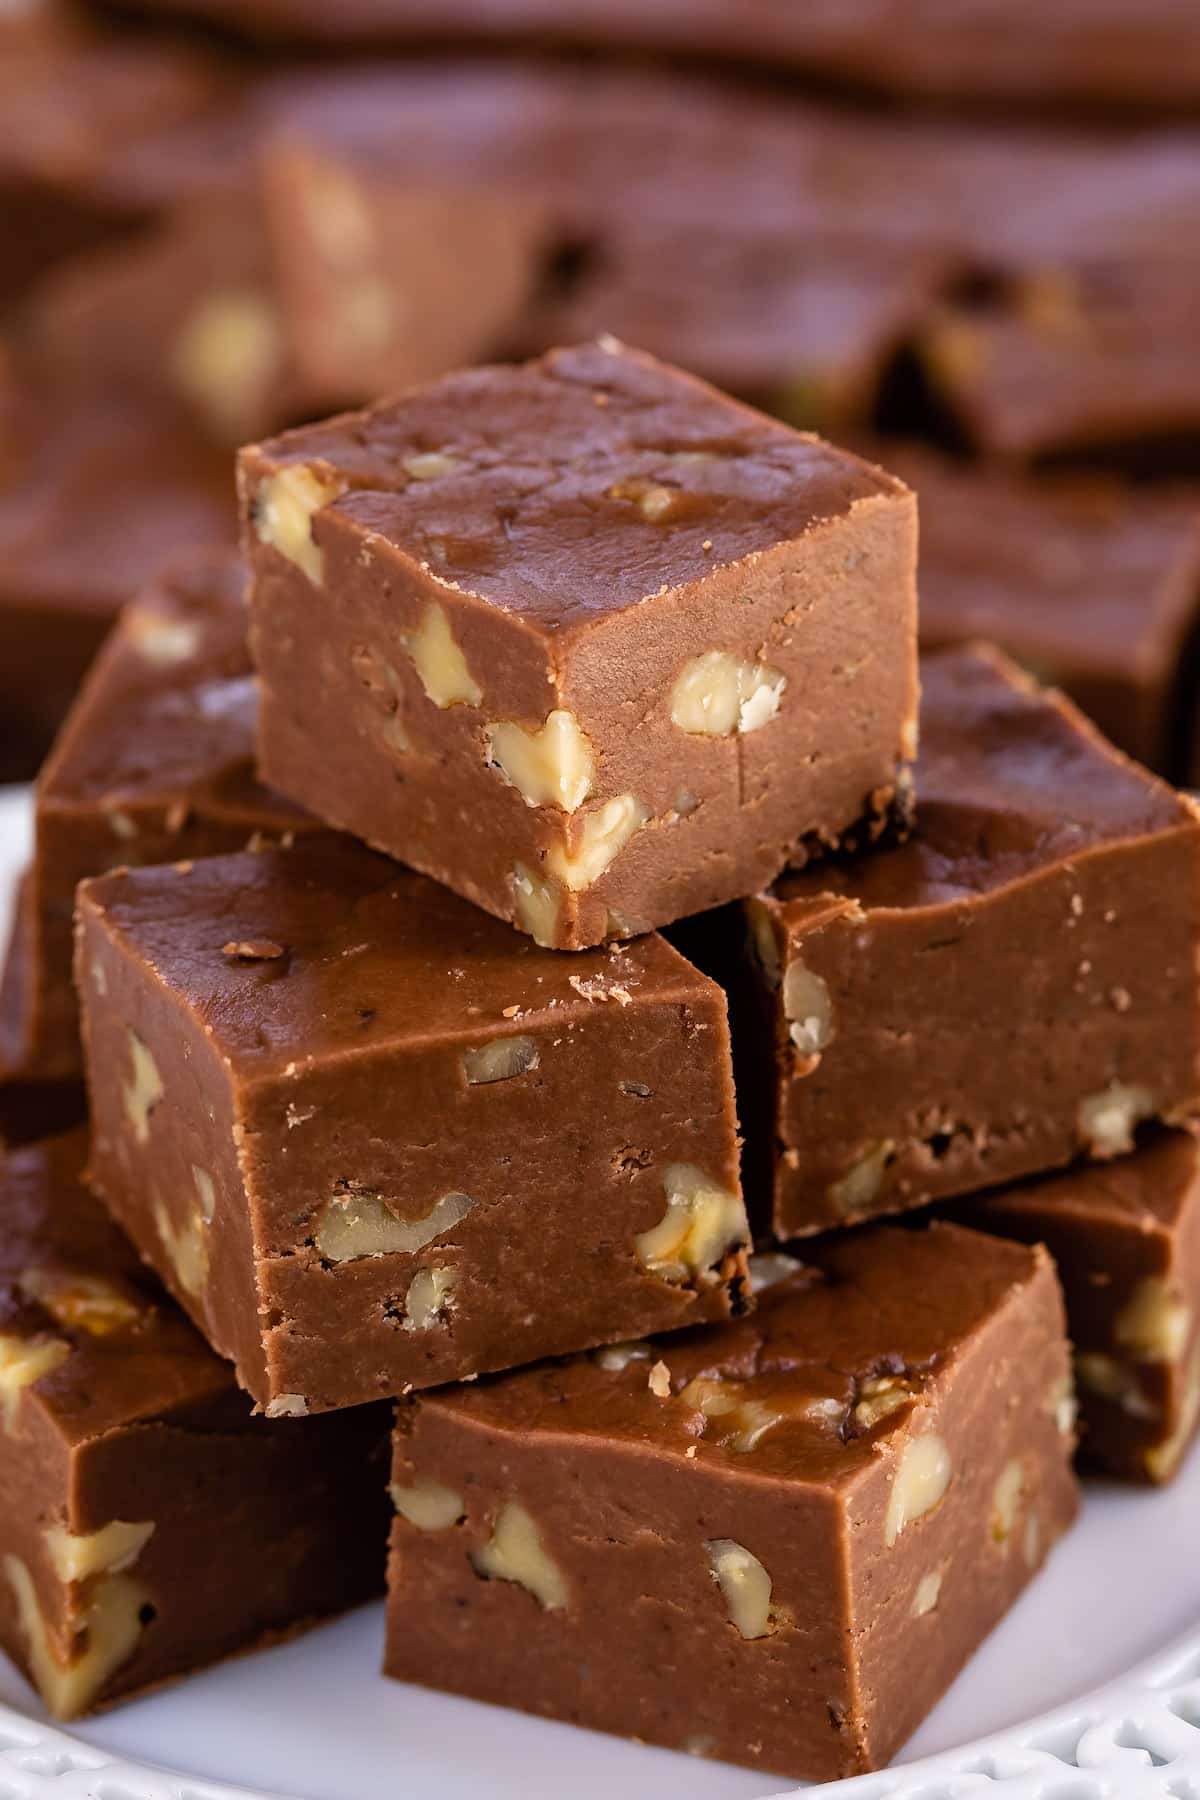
(155, 764)
(597, 647)
(373, 1139)
(1013, 987)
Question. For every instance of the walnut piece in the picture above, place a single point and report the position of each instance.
(762, 937)
(428, 1299)
(745, 1587)
(1162, 1460)
(923, 1473)
(106, 1636)
(879, 1397)
(602, 835)
(287, 1406)
(24, 1360)
(439, 661)
(283, 511)
(854, 1191)
(160, 639)
(745, 1420)
(187, 1247)
(718, 694)
(702, 1223)
(537, 902)
(659, 1381)
(808, 1009)
(76, 1556)
(1006, 1500)
(500, 1060)
(553, 766)
(79, 1302)
(515, 1552)
(430, 465)
(144, 1091)
(1113, 1381)
(1154, 1325)
(429, 1505)
(353, 1225)
(928, 1593)
(619, 1356)
(226, 355)
(1106, 1120)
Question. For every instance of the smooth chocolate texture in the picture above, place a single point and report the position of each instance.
(1090, 52)
(828, 316)
(316, 282)
(373, 1139)
(154, 764)
(882, 1437)
(1126, 1241)
(149, 1524)
(30, 1107)
(489, 619)
(1013, 988)
(1081, 358)
(1092, 586)
(96, 493)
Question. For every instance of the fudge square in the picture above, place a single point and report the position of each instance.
(774, 1541)
(134, 1469)
(1014, 987)
(155, 763)
(372, 1139)
(1126, 1239)
(583, 639)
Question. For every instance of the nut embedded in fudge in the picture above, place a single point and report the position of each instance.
(1012, 988)
(134, 1468)
(773, 1542)
(1126, 1239)
(154, 764)
(372, 1138)
(584, 640)
(317, 281)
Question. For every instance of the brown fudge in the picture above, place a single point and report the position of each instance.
(1014, 987)
(1095, 357)
(1091, 51)
(1089, 585)
(576, 620)
(134, 1469)
(773, 1542)
(315, 282)
(1126, 1239)
(95, 495)
(373, 1139)
(827, 319)
(29, 1107)
(155, 764)
(69, 99)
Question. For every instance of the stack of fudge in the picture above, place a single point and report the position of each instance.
(527, 937)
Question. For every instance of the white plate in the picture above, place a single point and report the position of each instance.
(315, 1718)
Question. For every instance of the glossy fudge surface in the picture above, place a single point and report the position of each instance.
(1126, 1240)
(576, 619)
(1090, 585)
(1012, 988)
(772, 1542)
(155, 763)
(374, 1139)
(134, 1470)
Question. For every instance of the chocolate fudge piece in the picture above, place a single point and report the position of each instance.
(1014, 987)
(95, 494)
(1089, 51)
(596, 646)
(1080, 358)
(316, 282)
(373, 1139)
(150, 1524)
(772, 1542)
(30, 1107)
(69, 98)
(1126, 1239)
(155, 764)
(827, 319)
(1089, 585)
